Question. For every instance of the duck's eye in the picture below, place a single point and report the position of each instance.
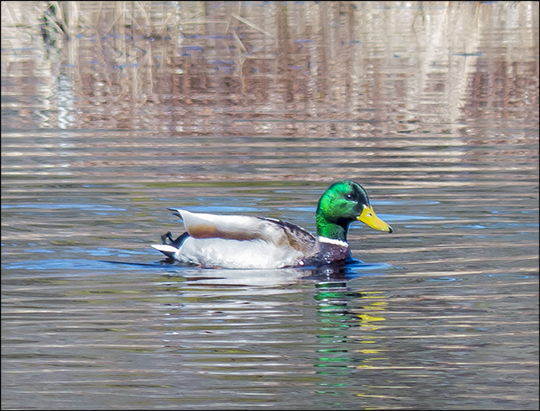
(349, 196)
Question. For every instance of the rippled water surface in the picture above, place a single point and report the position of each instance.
(114, 111)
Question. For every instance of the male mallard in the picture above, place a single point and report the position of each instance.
(232, 241)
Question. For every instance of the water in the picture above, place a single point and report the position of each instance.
(255, 108)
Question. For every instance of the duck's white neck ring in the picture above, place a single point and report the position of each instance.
(332, 241)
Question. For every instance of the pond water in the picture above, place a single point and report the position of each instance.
(114, 111)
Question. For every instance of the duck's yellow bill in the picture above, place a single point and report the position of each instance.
(369, 218)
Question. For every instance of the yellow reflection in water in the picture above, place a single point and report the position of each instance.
(348, 321)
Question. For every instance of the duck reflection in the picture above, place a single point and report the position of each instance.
(348, 323)
(246, 317)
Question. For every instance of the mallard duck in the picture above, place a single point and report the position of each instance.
(234, 241)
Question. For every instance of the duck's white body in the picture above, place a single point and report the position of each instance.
(248, 242)
(219, 252)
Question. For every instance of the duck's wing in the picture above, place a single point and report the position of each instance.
(297, 237)
(234, 227)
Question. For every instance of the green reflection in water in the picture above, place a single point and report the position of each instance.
(347, 326)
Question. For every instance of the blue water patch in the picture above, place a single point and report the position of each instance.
(87, 207)
(509, 276)
(361, 266)
(473, 226)
(402, 217)
(446, 279)
(54, 264)
(299, 209)
(405, 202)
(101, 252)
(104, 251)
(492, 225)
(73, 265)
(513, 212)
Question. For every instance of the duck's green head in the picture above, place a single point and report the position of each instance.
(343, 203)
